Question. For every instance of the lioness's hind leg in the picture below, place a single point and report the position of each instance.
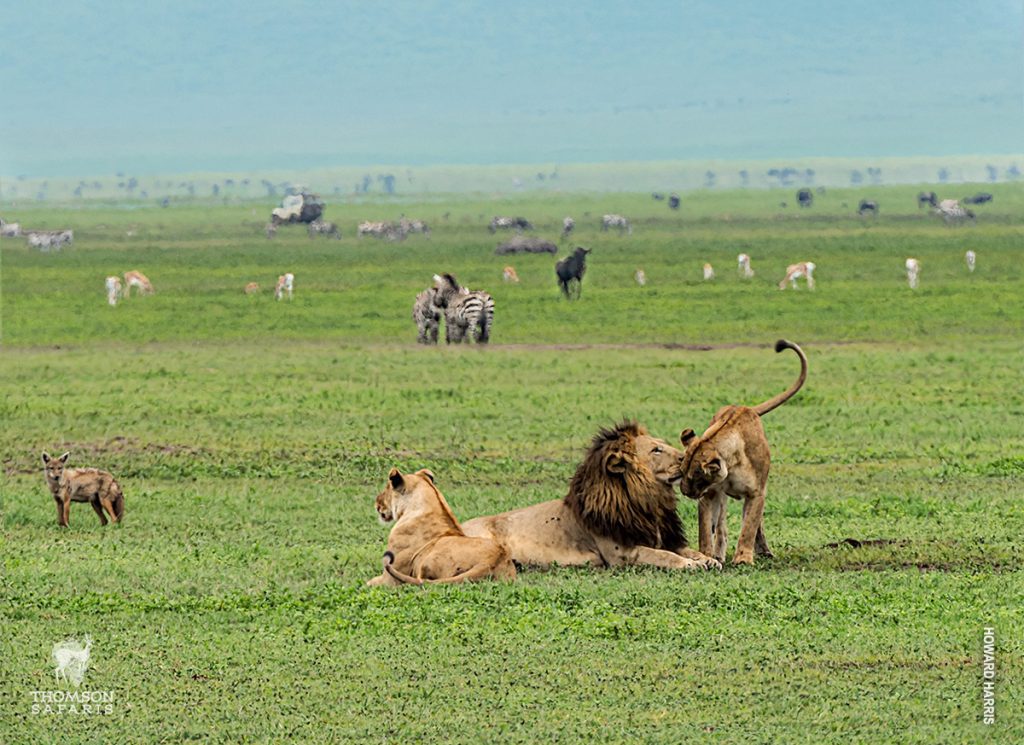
(99, 510)
(753, 512)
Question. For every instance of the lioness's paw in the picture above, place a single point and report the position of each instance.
(743, 559)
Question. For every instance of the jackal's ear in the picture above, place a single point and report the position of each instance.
(64, 458)
(396, 479)
(686, 435)
(46, 457)
(428, 473)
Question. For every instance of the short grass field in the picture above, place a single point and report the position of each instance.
(251, 437)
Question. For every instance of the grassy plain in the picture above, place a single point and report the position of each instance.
(251, 437)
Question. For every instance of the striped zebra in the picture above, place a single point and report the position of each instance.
(44, 240)
(427, 316)
(322, 227)
(616, 221)
(568, 225)
(408, 227)
(389, 230)
(467, 313)
(953, 212)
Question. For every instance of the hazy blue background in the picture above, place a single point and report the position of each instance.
(231, 85)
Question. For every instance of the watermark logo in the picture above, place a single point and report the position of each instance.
(988, 676)
(71, 661)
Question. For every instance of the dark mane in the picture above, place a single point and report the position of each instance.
(632, 508)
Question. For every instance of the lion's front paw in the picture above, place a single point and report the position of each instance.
(744, 558)
(708, 563)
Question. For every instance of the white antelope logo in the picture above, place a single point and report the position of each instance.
(72, 660)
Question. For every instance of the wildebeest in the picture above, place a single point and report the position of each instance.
(980, 198)
(570, 272)
(526, 244)
(616, 221)
(658, 196)
(673, 201)
(519, 224)
(929, 198)
(866, 206)
(805, 198)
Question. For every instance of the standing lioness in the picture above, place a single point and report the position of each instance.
(67, 485)
(731, 459)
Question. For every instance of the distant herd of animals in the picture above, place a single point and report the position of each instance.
(469, 314)
(620, 508)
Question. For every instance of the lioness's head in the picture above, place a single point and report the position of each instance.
(391, 502)
(704, 467)
(54, 467)
(623, 487)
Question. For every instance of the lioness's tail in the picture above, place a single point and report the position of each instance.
(480, 571)
(776, 401)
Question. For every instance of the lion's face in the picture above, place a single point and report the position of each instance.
(706, 467)
(662, 460)
(399, 488)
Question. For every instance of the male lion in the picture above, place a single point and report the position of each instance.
(731, 459)
(620, 509)
(427, 544)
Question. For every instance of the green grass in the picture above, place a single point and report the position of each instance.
(251, 437)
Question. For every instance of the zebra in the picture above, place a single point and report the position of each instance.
(408, 227)
(952, 211)
(321, 227)
(44, 240)
(568, 225)
(519, 224)
(388, 230)
(427, 316)
(570, 272)
(467, 313)
(10, 229)
(616, 221)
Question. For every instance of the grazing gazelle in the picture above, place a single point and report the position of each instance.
(252, 288)
(640, 277)
(113, 290)
(509, 274)
(743, 262)
(795, 272)
(139, 281)
(913, 268)
(709, 272)
(285, 284)
(971, 259)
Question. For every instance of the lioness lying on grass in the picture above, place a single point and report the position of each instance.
(427, 544)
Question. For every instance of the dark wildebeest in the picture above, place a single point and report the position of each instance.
(570, 271)
(929, 198)
(805, 198)
(673, 201)
(866, 206)
(657, 196)
(980, 198)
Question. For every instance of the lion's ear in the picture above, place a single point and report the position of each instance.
(615, 463)
(395, 477)
(713, 466)
(686, 435)
(428, 473)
